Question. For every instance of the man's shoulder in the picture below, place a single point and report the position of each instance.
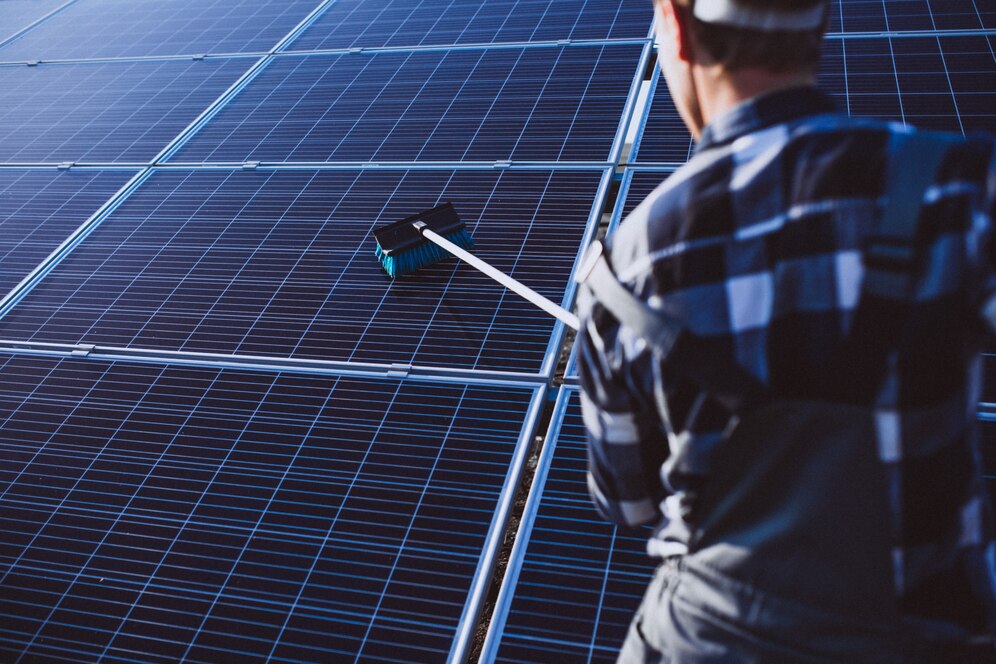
(755, 179)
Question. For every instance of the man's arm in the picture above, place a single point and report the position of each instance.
(983, 227)
(627, 442)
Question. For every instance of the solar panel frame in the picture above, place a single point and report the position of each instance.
(500, 23)
(101, 29)
(107, 112)
(540, 360)
(532, 401)
(571, 547)
(28, 15)
(67, 245)
(41, 208)
(365, 129)
(210, 111)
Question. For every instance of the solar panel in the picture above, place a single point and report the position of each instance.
(896, 15)
(281, 263)
(940, 82)
(573, 580)
(934, 82)
(130, 28)
(663, 138)
(16, 15)
(105, 112)
(156, 513)
(532, 104)
(41, 208)
(392, 23)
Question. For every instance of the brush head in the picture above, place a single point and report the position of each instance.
(401, 249)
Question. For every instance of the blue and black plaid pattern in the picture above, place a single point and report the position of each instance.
(757, 244)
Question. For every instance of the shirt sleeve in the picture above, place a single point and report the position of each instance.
(984, 227)
(627, 442)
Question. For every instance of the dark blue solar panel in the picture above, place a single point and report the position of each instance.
(105, 112)
(376, 23)
(162, 514)
(538, 104)
(15, 15)
(129, 28)
(904, 15)
(941, 83)
(574, 581)
(664, 137)
(41, 208)
(282, 263)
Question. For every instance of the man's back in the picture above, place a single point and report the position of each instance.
(758, 246)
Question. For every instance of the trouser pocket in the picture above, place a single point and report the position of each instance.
(643, 644)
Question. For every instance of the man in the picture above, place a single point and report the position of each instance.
(807, 449)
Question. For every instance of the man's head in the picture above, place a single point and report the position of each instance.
(752, 45)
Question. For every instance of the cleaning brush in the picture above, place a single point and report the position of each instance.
(426, 238)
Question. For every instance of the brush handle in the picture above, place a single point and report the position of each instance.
(508, 282)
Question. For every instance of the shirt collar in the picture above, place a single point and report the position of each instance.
(764, 111)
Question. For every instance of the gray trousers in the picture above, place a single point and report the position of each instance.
(691, 615)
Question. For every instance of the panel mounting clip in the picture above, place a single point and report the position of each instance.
(66, 165)
(356, 49)
(250, 165)
(82, 350)
(503, 163)
(399, 370)
(33, 63)
(198, 56)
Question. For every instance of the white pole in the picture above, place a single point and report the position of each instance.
(508, 282)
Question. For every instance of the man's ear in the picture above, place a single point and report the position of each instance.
(676, 19)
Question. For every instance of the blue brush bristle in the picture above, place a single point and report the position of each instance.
(424, 254)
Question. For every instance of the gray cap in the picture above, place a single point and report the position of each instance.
(737, 15)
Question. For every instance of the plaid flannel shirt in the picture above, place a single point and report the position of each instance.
(757, 244)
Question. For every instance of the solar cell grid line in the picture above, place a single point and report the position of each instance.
(573, 580)
(635, 186)
(40, 208)
(280, 263)
(137, 28)
(18, 15)
(403, 23)
(662, 136)
(87, 470)
(154, 512)
(435, 105)
(941, 83)
(112, 112)
(850, 16)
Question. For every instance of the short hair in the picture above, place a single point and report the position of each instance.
(778, 51)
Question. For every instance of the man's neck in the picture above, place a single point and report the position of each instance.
(719, 90)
